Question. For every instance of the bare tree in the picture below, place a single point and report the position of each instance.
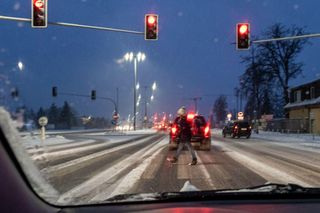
(280, 57)
(255, 81)
(220, 108)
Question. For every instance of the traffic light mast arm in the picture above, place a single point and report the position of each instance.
(88, 96)
(74, 25)
(113, 101)
(287, 38)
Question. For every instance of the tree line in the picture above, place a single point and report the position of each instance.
(64, 117)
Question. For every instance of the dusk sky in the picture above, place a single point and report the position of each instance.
(193, 56)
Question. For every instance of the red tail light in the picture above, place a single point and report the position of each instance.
(190, 116)
(207, 131)
(174, 130)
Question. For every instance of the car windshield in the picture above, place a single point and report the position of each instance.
(90, 90)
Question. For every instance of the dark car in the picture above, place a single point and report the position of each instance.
(201, 134)
(237, 129)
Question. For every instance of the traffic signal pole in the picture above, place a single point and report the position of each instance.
(10, 18)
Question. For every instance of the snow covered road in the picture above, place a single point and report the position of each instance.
(99, 166)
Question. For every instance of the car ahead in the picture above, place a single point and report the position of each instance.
(201, 134)
(237, 129)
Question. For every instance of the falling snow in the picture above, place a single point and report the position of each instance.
(16, 6)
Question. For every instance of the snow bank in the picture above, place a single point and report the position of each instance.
(30, 141)
(283, 137)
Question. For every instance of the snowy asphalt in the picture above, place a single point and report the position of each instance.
(96, 169)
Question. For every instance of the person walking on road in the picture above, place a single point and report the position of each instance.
(185, 134)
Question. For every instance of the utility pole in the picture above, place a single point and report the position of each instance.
(195, 100)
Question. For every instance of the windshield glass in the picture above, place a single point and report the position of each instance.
(93, 88)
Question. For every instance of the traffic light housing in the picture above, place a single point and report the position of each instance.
(243, 36)
(151, 27)
(39, 13)
(54, 91)
(93, 95)
(15, 93)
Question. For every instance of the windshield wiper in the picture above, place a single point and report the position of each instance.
(268, 189)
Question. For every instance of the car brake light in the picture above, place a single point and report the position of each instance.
(174, 130)
(206, 130)
(190, 116)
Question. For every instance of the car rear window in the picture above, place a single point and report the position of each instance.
(243, 124)
(199, 121)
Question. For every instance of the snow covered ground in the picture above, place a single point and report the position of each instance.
(279, 137)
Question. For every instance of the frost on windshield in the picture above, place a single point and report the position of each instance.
(36, 179)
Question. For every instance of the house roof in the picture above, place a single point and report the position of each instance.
(308, 102)
(305, 84)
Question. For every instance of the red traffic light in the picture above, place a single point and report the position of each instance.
(151, 27)
(243, 36)
(151, 19)
(38, 3)
(243, 28)
(39, 13)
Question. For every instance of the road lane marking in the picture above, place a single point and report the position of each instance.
(205, 173)
(182, 164)
(103, 177)
(75, 164)
(59, 154)
(261, 168)
(59, 146)
(134, 176)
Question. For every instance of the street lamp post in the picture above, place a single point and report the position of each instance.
(136, 58)
(153, 88)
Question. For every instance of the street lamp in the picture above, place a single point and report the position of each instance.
(139, 57)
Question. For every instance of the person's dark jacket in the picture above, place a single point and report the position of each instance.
(184, 128)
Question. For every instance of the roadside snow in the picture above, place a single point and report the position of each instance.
(283, 137)
(30, 141)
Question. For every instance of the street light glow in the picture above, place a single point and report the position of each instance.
(20, 65)
(143, 57)
(127, 56)
(139, 55)
(131, 56)
(152, 97)
(137, 86)
(154, 86)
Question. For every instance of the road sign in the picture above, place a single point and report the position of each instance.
(115, 116)
(43, 121)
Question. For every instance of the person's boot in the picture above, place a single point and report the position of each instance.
(173, 160)
(194, 162)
